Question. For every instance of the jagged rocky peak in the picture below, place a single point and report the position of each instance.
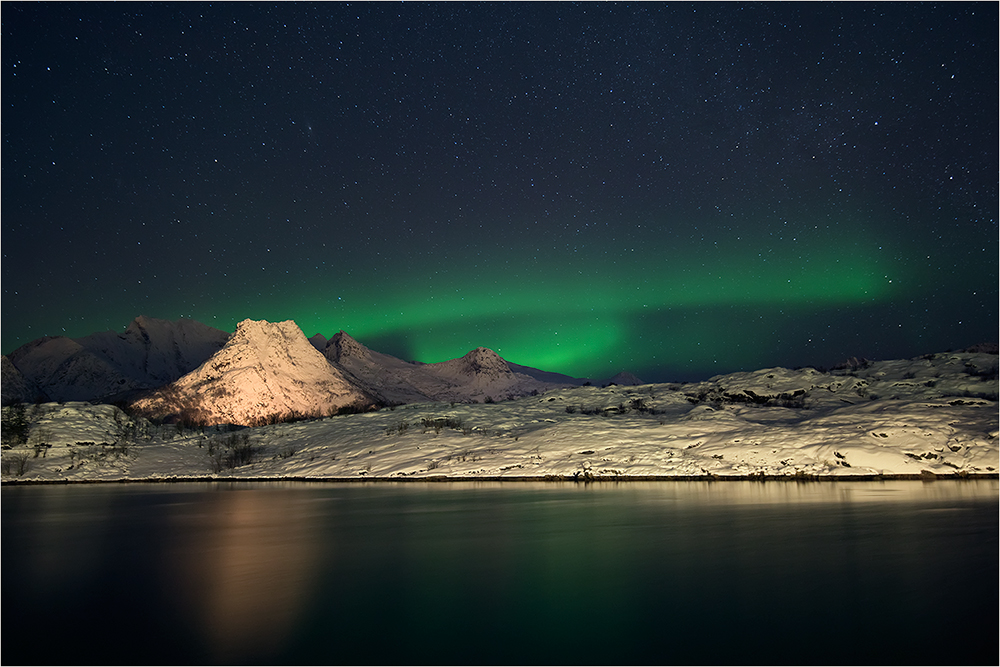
(263, 332)
(342, 347)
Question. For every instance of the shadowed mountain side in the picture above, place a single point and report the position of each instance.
(16, 387)
(67, 371)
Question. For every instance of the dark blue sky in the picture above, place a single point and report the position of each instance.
(676, 190)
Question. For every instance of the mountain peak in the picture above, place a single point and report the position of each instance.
(342, 346)
(265, 371)
(625, 379)
(483, 361)
(318, 341)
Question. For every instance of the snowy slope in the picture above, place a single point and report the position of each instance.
(265, 371)
(149, 353)
(932, 416)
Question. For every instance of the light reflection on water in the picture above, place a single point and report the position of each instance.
(242, 562)
(689, 572)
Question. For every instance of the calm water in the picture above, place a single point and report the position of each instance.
(682, 572)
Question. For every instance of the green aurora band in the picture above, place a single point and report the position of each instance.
(578, 317)
(663, 308)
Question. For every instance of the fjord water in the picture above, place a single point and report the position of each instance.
(467, 573)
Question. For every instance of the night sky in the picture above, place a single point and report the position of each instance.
(674, 190)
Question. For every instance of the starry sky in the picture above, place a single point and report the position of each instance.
(676, 190)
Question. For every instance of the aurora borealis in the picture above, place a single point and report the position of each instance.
(672, 190)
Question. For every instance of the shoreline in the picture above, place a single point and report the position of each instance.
(925, 476)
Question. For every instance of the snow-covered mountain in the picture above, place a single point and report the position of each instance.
(152, 353)
(100, 366)
(265, 372)
(480, 375)
(16, 387)
(67, 371)
(156, 352)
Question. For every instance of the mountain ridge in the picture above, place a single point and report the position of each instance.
(107, 365)
(183, 370)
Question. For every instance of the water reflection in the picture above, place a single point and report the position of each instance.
(243, 562)
(728, 572)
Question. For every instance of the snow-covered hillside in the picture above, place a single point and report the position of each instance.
(266, 371)
(932, 416)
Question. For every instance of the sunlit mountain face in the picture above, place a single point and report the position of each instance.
(673, 191)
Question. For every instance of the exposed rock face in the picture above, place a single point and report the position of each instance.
(265, 372)
(149, 353)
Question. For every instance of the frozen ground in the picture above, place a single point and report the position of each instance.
(933, 415)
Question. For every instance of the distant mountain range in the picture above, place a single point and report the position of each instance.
(107, 365)
(264, 371)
